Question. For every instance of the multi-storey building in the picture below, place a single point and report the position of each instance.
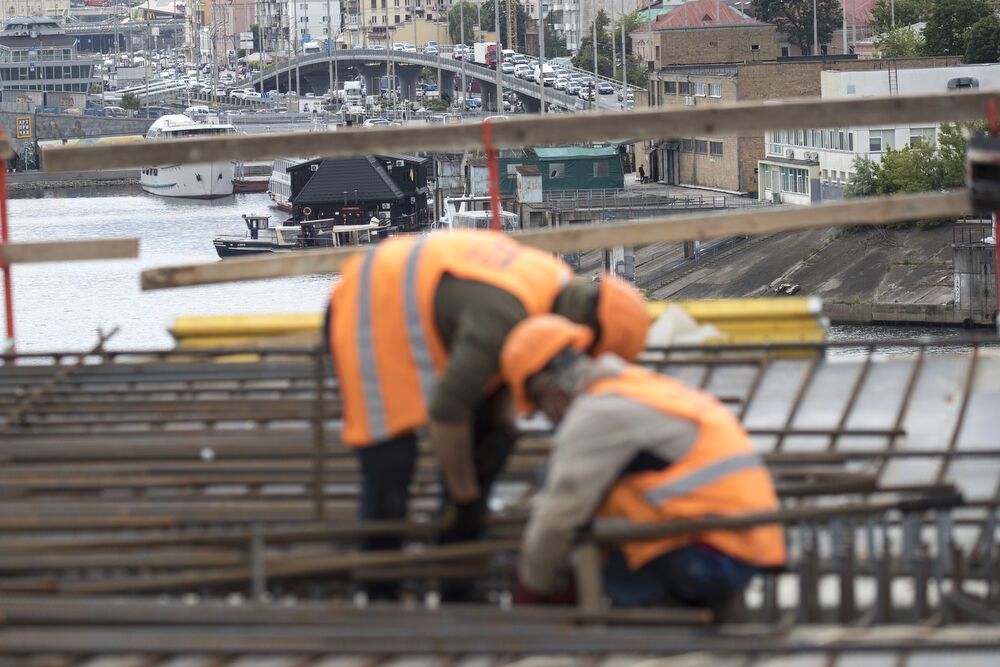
(315, 20)
(806, 166)
(273, 22)
(37, 54)
(50, 8)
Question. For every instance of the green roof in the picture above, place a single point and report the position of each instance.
(574, 152)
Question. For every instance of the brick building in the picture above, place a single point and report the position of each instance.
(730, 163)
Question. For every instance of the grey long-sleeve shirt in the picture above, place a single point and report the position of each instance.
(597, 440)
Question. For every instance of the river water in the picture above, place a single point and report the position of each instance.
(61, 306)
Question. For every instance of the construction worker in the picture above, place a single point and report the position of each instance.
(416, 327)
(637, 446)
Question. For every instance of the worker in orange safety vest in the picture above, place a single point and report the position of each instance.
(415, 329)
(641, 447)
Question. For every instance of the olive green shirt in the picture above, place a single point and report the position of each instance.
(474, 320)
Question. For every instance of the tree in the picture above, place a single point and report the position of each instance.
(864, 179)
(471, 12)
(953, 144)
(903, 42)
(636, 69)
(584, 58)
(948, 22)
(982, 41)
(795, 19)
(907, 13)
(555, 43)
(436, 105)
(130, 102)
(487, 16)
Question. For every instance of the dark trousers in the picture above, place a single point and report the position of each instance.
(695, 575)
(387, 471)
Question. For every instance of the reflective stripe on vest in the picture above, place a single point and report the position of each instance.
(692, 482)
(366, 353)
(422, 359)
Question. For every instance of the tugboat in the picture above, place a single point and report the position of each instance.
(261, 237)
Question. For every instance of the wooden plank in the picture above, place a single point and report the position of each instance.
(740, 119)
(68, 251)
(697, 226)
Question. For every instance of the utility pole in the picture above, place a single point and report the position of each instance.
(593, 91)
(541, 56)
(892, 13)
(465, 54)
(295, 49)
(496, 21)
(815, 31)
(624, 63)
(329, 52)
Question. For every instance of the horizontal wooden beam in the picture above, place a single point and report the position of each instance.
(737, 119)
(678, 228)
(68, 251)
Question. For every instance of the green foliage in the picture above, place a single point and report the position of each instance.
(908, 12)
(130, 102)
(555, 43)
(636, 69)
(903, 42)
(953, 143)
(487, 16)
(584, 58)
(471, 13)
(437, 105)
(982, 41)
(795, 19)
(948, 22)
(863, 181)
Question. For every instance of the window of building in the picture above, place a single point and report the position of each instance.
(657, 52)
(557, 170)
(374, 5)
(880, 141)
(373, 19)
(701, 146)
(715, 147)
(755, 47)
(670, 87)
(716, 90)
(683, 87)
(794, 180)
(700, 89)
(600, 170)
(786, 49)
(687, 145)
(825, 175)
(922, 135)
(395, 19)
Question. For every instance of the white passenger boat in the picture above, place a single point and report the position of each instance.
(279, 187)
(208, 180)
(473, 212)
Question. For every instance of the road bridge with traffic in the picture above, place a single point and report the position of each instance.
(314, 76)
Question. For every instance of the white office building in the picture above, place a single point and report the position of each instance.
(807, 166)
(310, 20)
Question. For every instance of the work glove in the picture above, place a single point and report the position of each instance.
(463, 522)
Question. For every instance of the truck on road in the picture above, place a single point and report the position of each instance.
(485, 53)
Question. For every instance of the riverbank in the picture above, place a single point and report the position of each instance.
(31, 181)
(876, 276)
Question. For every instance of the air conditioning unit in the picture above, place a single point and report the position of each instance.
(314, 167)
(689, 101)
(812, 155)
(400, 163)
(789, 153)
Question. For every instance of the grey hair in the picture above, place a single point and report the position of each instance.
(567, 372)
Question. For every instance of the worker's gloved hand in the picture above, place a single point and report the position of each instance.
(561, 595)
(463, 522)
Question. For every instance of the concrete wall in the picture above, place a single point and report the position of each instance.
(65, 126)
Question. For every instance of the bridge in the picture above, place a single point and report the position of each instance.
(100, 37)
(313, 73)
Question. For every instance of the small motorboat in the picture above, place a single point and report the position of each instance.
(261, 237)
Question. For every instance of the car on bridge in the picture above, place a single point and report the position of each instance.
(507, 67)
(521, 71)
(605, 88)
(572, 88)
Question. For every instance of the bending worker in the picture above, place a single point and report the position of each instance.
(416, 328)
(637, 446)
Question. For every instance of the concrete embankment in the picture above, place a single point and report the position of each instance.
(39, 180)
(878, 276)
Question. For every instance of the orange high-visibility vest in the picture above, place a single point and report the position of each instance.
(383, 336)
(720, 475)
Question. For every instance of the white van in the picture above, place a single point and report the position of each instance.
(546, 76)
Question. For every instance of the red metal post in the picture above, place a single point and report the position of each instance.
(493, 165)
(993, 118)
(8, 288)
